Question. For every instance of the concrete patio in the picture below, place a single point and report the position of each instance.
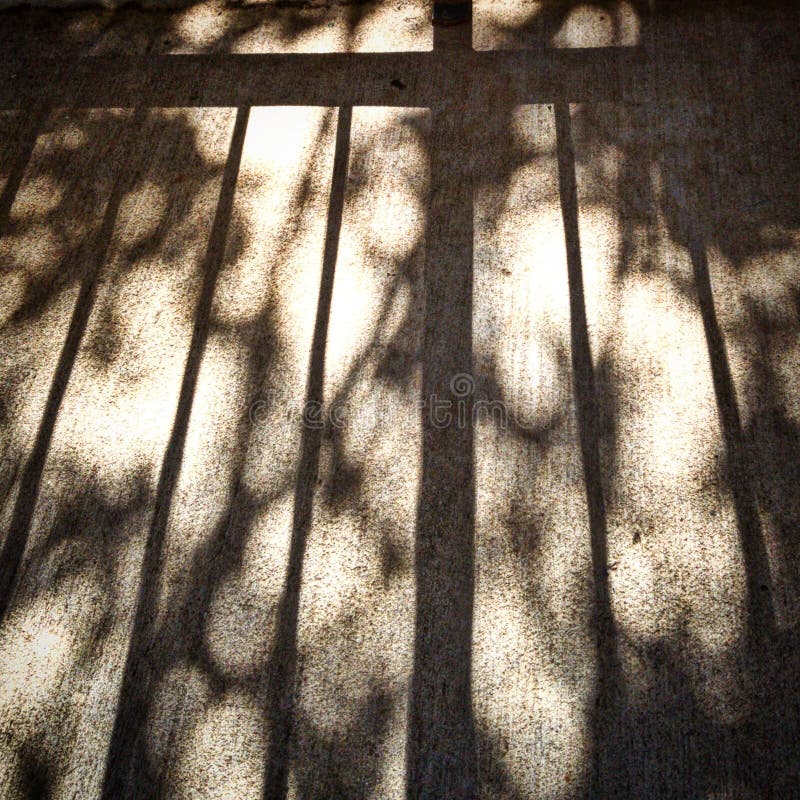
(390, 411)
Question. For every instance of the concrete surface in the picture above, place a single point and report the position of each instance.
(390, 412)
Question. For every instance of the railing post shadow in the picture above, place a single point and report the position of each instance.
(282, 664)
(588, 413)
(30, 481)
(127, 764)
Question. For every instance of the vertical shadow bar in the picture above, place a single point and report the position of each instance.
(28, 136)
(126, 772)
(589, 425)
(282, 667)
(30, 480)
(441, 759)
(760, 609)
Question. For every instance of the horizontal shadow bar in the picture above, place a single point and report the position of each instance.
(353, 79)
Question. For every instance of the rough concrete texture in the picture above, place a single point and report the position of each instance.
(383, 417)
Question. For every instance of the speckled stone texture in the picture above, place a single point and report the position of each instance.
(389, 411)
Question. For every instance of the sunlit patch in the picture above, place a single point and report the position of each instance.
(534, 723)
(494, 21)
(31, 359)
(642, 611)
(532, 129)
(339, 568)
(42, 195)
(534, 292)
(72, 136)
(242, 611)
(509, 14)
(257, 27)
(37, 248)
(669, 438)
(382, 228)
(522, 294)
(395, 224)
(586, 26)
(594, 26)
(210, 130)
(219, 414)
(665, 336)
(34, 647)
(127, 411)
(225, 731)
(628, 25)
(539, 23)
(146, 204)
(201, 24)
(282, 200)
(600, 234)
(400, 26)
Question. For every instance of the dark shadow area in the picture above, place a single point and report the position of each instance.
(126, 771)
(23, 144)
(37, 777)
(282, 664)
(345, 765)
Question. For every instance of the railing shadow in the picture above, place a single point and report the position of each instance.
(441, 743)
(127, 761)
(608, 682)
(441, 739)
(31, 476)
(760, 622)
(25, 143)
(282, 664)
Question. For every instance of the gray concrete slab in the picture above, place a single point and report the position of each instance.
(396, 412)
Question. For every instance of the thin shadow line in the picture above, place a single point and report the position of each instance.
(589, 419)
(28, 138)
(760, 610)
(127, 754)
(30, 481)
(282, 666)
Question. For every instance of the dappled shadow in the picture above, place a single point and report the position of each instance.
(608, 580)
(282, 665)
(31, 474)
(699, 199)
(219, 27)
(131, 713)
